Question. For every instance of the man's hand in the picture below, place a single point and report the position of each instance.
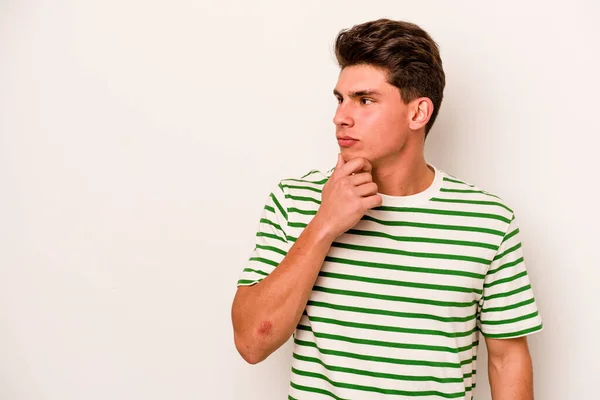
(347, 196)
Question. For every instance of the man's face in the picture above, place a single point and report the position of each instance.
(371, 111)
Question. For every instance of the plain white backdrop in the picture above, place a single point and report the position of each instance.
(139, 141)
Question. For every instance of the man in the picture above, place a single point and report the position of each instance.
(385, 268)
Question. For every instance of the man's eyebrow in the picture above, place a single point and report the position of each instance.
(358, 93)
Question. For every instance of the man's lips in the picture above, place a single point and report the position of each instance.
(346, 141)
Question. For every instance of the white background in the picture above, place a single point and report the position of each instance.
(139, 141)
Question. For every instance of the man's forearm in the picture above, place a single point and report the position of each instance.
(265, 315)
(511, 377)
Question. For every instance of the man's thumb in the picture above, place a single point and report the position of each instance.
(340, 161)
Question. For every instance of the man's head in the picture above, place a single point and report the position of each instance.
(390, 87)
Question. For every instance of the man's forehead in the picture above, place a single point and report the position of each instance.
(361, 78)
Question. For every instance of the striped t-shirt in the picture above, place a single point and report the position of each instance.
(401, 297)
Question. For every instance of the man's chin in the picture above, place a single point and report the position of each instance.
(349, 153)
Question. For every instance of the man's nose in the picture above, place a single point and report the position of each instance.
(342, 117)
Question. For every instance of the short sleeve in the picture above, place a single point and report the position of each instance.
(271, 242)
(508, 308)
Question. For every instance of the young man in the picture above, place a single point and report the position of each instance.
(385, 268)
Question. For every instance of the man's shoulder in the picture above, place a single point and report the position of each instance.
(470, 193)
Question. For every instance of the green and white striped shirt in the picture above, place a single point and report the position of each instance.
(402, 296)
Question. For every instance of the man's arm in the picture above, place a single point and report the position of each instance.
(510, 369)
(266, 314)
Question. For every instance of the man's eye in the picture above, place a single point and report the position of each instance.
(366, 101)
(339, 100)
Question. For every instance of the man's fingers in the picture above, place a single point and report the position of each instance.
(355, 165)
(360, 165)
(360, 178)
(367, 167)
(367, 189)
(372, 201)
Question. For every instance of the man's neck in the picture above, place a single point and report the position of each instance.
(403, 175)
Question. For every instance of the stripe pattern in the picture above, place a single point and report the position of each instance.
(402, 297)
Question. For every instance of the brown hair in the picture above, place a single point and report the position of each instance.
(408, 54)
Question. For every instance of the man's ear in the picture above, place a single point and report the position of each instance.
(419, 112)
